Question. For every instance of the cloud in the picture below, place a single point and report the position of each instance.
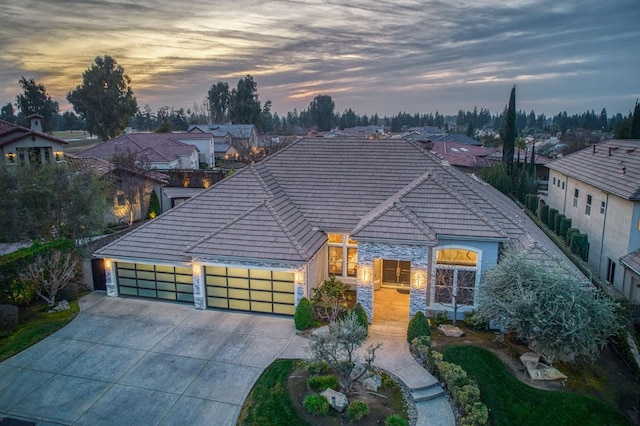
(372, 56)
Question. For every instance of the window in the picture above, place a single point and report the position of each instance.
(456, 273)
(120, 199)
(554, 181)
(611, 270)
(587, 209)
(603, 207)
(576, 194)
(342, 255)
(563, 186)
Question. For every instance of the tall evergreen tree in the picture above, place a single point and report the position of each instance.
(508, 132)
(635, 123)
(36, 100)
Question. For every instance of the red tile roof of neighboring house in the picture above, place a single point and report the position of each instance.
(7, 129)
(156, 147)
(462, 154)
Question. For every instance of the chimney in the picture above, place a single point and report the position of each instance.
(36, 122)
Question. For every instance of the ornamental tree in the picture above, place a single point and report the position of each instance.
(546, 306)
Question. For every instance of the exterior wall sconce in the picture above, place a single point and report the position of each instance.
(58, 155)
(418, 278)
(107, 264)
(364, 274)
(12, 157)
(299, 277)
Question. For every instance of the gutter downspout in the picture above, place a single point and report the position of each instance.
(604, 227)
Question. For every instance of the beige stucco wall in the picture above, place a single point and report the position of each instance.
(612, 234)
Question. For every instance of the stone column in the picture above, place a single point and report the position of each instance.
(300, 285)
(364, 288)
(112, 286)
(198, 287)
(418, 293)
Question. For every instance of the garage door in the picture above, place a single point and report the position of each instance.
(250, 289)
(155, 281)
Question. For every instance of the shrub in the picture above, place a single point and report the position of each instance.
(330, 298)
(316, 405)
(318, 367)
(531, 201)
(452, 374)
(418, 326)
(356, 410)
(321, 383)
(361, 315)
(8, 319)
(556, 223)
(305, 316)
(154, 206)
(473, 320)
(421, 346)
(440, 317)
(570, 233)
(565, 224)
(466, 396)
(544, 213)
(552, 218)
(395, 420)
(477, 416)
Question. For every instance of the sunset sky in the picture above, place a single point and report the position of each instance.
(372, 56)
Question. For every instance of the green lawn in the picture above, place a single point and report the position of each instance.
(40, 324)
(512, 402)
(269, 404)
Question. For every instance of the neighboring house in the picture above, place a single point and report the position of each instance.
(598, 188)
(468, 158)
(22, 146)
(242, 137)
(374, 213)
(162, 151)
(132, 188)
(205, 144)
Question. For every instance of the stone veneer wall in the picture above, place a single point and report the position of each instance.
(417, 255)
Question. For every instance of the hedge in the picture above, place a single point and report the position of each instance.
(544, 213)
(565, 224)
(552, 218)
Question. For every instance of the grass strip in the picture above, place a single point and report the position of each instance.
(269, 404)
(512, 402)
(41, 324)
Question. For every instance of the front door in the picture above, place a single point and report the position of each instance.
(396, 273)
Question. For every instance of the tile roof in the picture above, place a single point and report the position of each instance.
(10, 132)
(462, 154)
(632, 261)
(236, 130)
(156, 147)
(103, 167)
(282, 207)
(612, 166)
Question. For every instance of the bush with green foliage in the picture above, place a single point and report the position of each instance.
(305, 316)
(531, 202)
(395, 420)
(330, 298)
(570, 233)
(556, 223)
(466, 396)
(418, 326)
(552, 218)
(316, 405)
(154, 206)
(478, 415)
(473, 320)
(565, 224)
(421, 346)
(363, 320)
(356, 410)
(498, 177)
(9, 317)
(439, 317)
(317, 367)
(579, 244)
(321, 383)
(544, 213)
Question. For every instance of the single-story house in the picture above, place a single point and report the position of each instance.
(22, 146)
(374, 213)
(162, 151)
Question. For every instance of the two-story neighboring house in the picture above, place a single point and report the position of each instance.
(598, 188)
(22, 146)
(382, 215)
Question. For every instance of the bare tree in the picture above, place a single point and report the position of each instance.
(337, 348)
(455, 288)
(51, 273)
(131, 185)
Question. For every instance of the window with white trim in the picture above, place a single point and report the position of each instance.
(456, 274)
(576, 194)
(587, 208)
(342, 255)
(603, 207)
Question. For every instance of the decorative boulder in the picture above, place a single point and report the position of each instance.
(337, 400)
(372, 383)
(320, 331)
(538, 370)
(62, 305)
(450, 331)
(358, 369)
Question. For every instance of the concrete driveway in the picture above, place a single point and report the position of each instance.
(137, 362)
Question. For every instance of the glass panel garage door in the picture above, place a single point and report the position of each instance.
(155, 281)
(250, 289)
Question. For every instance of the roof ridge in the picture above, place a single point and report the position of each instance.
(261, 181)
(285, 229)
(225, 226)
(405, 210)
(454, 193)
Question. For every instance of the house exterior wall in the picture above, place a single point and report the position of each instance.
(611, 234)
(27, 142)
(631, 286)
(316, 271)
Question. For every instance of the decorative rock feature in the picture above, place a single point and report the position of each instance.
(358, 369)
(539, 371)
(337, 400)
(62, 305)
(321, 330)
(450, 331)
(372, 383)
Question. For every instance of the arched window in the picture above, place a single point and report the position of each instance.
(456, 276)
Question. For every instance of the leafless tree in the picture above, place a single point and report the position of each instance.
(337, 348)
(51, 273)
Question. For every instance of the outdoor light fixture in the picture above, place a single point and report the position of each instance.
(364, 274)
(12, 157)
(58, 155)
(107, 264)
(298, 277)
(418, 278)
